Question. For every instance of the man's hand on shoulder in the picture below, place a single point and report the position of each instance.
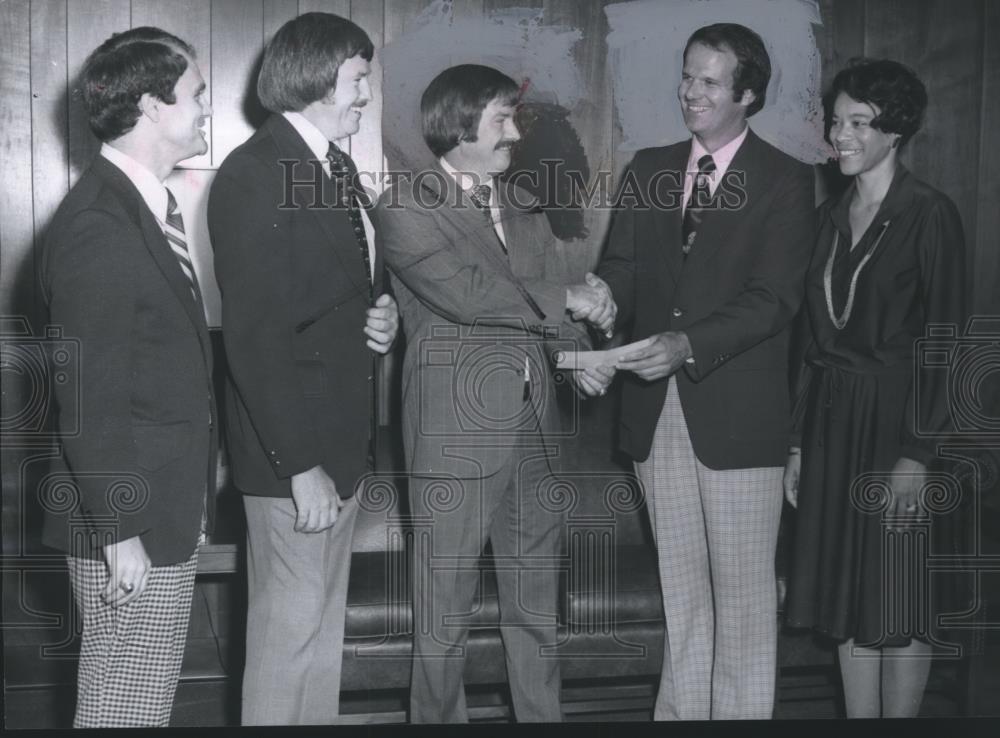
(382, 324)
(664, 356)
(317, 503)
(128, 571)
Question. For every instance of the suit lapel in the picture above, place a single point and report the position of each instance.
(159, 249)
(668, 220)
(466, 217)
(334, 222)
(717, 223)
(517, 231)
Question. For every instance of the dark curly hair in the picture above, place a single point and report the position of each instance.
(122, 69)
(454, 101)
(892, 88)
(753, 65)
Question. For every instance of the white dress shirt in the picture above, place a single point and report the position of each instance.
(152, 190)
(722, 157)
(319, 145)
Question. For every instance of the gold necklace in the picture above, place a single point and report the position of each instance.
(840, 322)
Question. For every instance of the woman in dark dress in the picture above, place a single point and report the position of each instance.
(889, 259)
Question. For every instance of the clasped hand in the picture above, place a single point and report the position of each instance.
(593, 302)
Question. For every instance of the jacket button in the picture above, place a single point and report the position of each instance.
(677, 312)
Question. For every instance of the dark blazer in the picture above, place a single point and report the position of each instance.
(734, 296)
(294, 296)
(472, 318)
(145, 453)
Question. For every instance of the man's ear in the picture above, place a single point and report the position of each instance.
(748, 98)
(149, 105)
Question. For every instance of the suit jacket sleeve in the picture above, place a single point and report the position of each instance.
(89, 280)
(253, 264)
(462, 291)
(773, 289)
(617, 266)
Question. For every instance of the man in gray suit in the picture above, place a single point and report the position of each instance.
(481, 297)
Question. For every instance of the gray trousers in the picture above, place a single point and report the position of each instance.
(452, 523)
(297, 593)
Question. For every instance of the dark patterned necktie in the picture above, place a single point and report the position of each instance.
(173, 229)
(701, 195)
(480, 195)
(350, 196)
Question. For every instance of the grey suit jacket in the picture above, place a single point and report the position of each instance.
(477, 324)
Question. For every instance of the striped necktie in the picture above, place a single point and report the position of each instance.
(701, 196)
(173, 229)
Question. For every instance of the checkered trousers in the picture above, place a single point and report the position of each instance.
(130, 656)
(716, 533)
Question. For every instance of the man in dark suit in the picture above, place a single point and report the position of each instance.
(301, 297)
(483, 299)
(714, 272)
(117, 276)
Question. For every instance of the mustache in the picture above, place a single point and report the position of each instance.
(506, 143)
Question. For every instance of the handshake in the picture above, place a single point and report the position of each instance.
(593, 303)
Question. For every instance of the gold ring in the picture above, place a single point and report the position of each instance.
(127, 588)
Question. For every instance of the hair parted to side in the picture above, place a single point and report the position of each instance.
(892, 88)
(753, 65)
(126, 66)
(454, 101)
(301, 60)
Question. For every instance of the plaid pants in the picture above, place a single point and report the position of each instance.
(130, 656)
(716, 533)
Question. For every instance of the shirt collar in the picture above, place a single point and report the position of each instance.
(723, 156)
(465, 180)
(151, 189)
(314, 138)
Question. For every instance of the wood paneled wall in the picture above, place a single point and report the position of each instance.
(45, 142)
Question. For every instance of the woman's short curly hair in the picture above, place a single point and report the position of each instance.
(892, 88)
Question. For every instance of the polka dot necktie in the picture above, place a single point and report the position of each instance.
(349, 195)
